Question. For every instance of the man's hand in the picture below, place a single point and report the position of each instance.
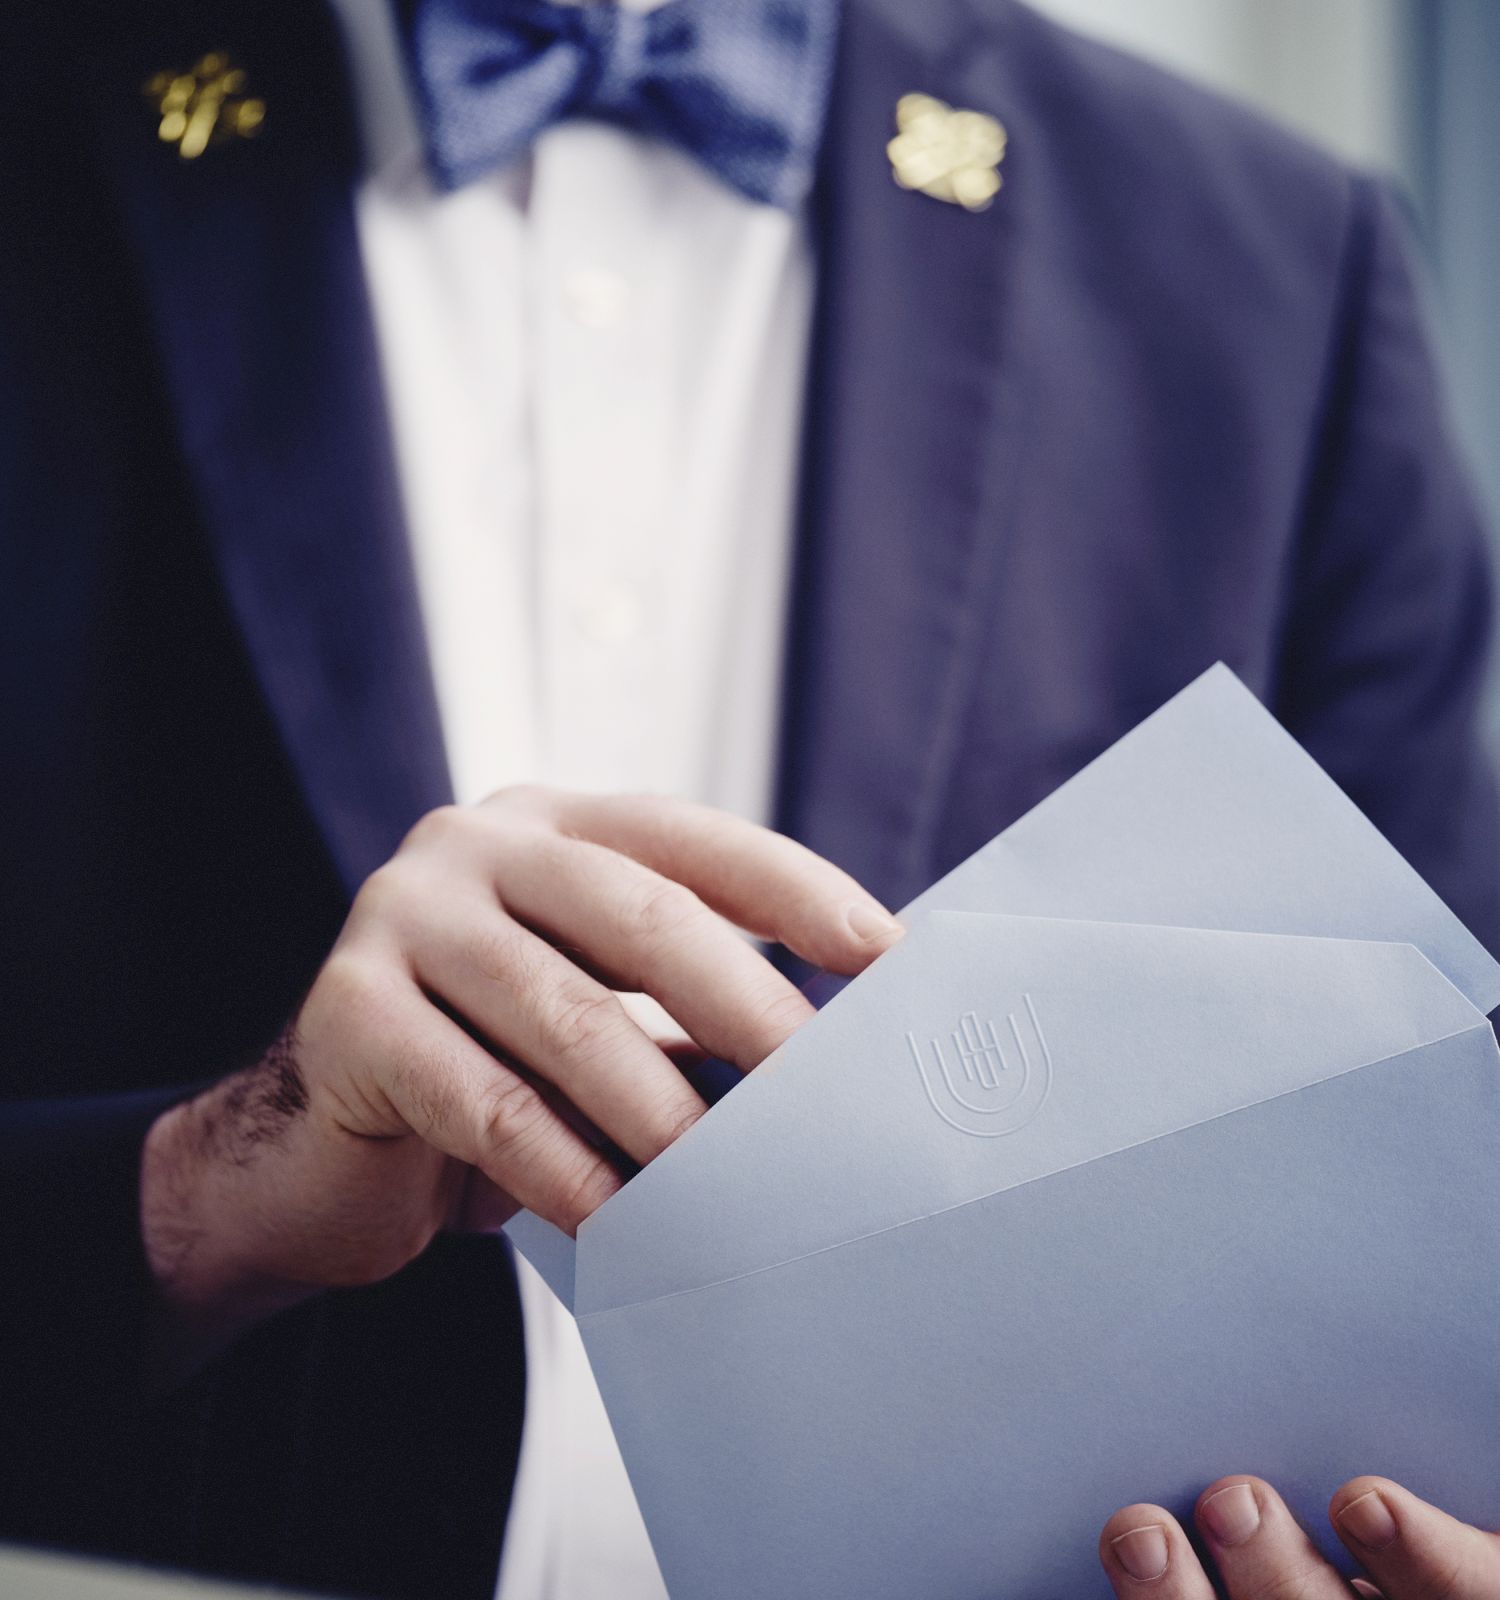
(463, 1049)
(1411, 1550)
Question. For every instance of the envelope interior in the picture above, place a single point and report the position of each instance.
(1210, 815)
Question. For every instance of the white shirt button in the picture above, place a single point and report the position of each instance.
(612, 614)
(595, 297)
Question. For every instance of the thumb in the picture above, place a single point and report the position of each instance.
(1411, 1549)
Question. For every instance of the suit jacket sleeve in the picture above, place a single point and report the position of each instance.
(1386, 644)
(75, 1305)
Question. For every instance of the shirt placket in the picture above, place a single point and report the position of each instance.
(601, 436)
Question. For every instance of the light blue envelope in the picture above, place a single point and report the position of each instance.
(1165, 1145)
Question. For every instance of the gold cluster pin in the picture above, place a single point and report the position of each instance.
(950, 154)
(204, 105)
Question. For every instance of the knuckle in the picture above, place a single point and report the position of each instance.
(439, 828)
(532, 800)
(676, 1118)
(422, 1088)
(384, 895)
(354, 984)
(498, 953)
(780, 1016)
(665, 912)
(657, 820)
(580, 1193)
(511, 1118)
(1306, 1580)
(583, 1021)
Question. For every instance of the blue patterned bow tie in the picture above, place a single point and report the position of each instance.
(742, 85)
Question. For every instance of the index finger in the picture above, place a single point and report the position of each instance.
(762, 881)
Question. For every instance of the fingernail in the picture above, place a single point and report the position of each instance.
(870, 926)
(1233, 1514)
(1368, 1521)
(1361, 1587)
(1143, 1552)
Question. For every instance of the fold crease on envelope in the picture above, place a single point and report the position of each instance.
(1196, 945)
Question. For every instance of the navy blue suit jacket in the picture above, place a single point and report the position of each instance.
(1168, 401)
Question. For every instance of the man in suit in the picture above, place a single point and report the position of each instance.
(341, 469)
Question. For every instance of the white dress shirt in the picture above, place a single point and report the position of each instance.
(594, 367)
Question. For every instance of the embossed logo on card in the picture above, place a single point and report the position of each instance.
(987, 1078)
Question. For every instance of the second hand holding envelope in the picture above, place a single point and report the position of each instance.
(1166, 1144)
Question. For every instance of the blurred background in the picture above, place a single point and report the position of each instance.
(1407, 87)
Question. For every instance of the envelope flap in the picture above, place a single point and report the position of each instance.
(985, 1052)
(1210, 815)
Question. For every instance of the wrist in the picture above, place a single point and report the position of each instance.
(208, 1232)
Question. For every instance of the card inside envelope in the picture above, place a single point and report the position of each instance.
(1166, 1144)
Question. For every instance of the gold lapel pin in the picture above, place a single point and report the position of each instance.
(204, 105)
(947, 153)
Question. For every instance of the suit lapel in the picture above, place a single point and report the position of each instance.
(250, 265)
(915, 431)
(249, 261)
